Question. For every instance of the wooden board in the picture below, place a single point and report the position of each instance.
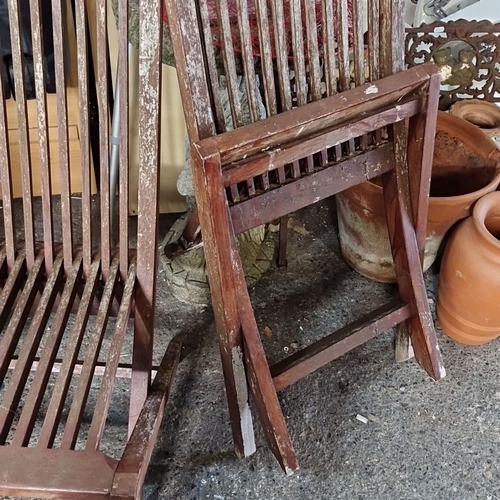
(74, 144)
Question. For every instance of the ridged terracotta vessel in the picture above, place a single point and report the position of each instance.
(468, 305)
(465, 168)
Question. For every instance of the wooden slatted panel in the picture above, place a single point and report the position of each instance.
(6, 181)
(83, 102)
(92, 352)
(43, 139)
(147, 225)
(102, 93)
(22, 125)
(213, 76)
(62, 118)
(10, 337)
(75, 339)
(108, 379)
(123, 78)
(36, 392)
(30, 344)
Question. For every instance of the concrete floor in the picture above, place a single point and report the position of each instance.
(423, 440)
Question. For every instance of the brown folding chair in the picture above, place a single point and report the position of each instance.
(338, 120)
(65, 307)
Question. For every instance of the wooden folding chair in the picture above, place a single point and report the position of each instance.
(65, 307)
(337, 116)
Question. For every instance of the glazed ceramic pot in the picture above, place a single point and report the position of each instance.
(465, 168)
(468, 306)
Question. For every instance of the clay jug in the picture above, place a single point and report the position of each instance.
(465, 168)
(468, 306)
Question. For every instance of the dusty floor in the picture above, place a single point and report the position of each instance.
(423, 440)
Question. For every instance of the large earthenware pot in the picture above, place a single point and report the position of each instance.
(465, 168)
(468, 306)
(484, 114)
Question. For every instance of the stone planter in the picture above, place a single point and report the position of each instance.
(465, 168)
(468, 306)
(186, 274)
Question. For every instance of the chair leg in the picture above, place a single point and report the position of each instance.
(403, 347)
(421, 137)
(260, 378)
(407, 261)
(212, 206)
(283, 241)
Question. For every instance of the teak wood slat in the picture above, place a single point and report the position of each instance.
(67, 265)
(346, 112)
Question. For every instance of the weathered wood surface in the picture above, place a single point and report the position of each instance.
(90, 271)
(323, 132)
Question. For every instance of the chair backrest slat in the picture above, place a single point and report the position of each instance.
(43, 134)
(150, 31)
(85, 163)
(343, 44)
(328, 32)
(190, 59)
(358, 44)
(123, 103)
(247, 56)
(265, 44)
(299, 64)
(212, 66)
(6, 182)
(226, 41)
(104, 114)
(22, 125)
(374, 39)
(313, 50)
(281, 55)
(62, 128)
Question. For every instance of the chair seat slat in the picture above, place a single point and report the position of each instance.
(38, 386)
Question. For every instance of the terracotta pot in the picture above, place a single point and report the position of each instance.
(465, 168)
(468, 306)
(484, 114)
